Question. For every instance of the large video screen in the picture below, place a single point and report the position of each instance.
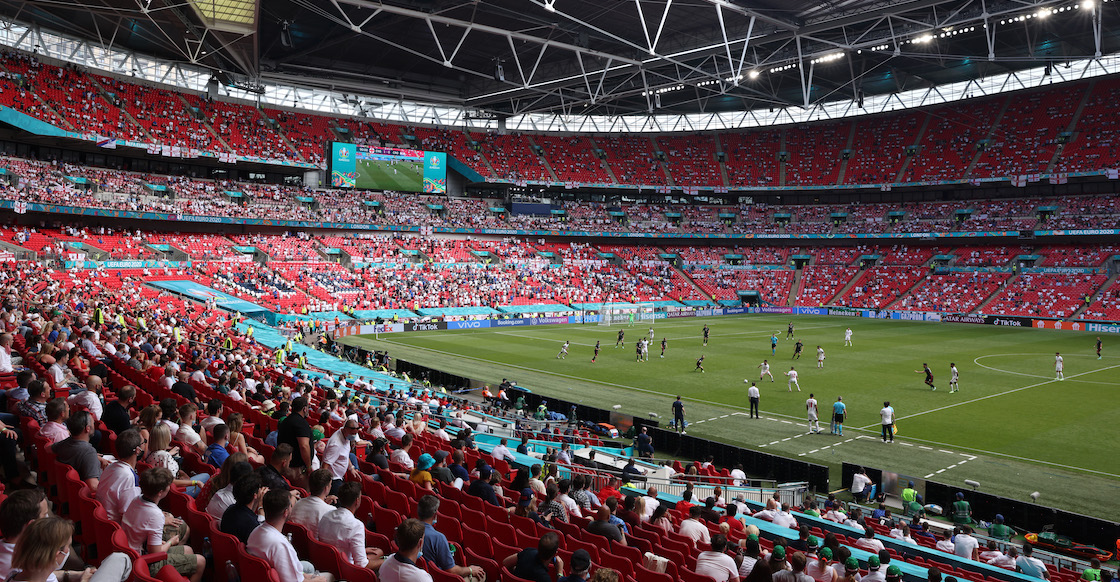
(381, 168)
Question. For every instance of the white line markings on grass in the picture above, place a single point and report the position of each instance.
(1002, 371)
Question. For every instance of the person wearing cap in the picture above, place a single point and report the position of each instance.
(435, 549)
(749, 552)
(818, 562)
(420, 473)
(581, 567)
(1000, 531)
(875, 571)
(894, 573)
(796, 573)
(540, 563)
(962, 511)
(777, 559)
(482, 488)
(716, 564)
(440, 471)
(851, 570)
(341, 529)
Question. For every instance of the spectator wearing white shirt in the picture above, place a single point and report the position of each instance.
(236, 466)
(214, 410)
(716, 564)
(185, 433)
(336, 457)
(342, 530)
(268, 543)
(144, 522)
(860, 482)
(784, 518)
(501, 452)
(401, 566)
(90, 398)
(693, 529)
(401, 455)
(868, 541)
(738, 476)
(117, 486)
(651, 503)
(964, 545)
(310, 510)
(565, 485)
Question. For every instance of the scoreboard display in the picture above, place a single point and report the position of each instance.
(385, 168)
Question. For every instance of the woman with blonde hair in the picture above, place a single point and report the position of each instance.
(237, 442)
(162, 454)
(149, 417)
(44, 546)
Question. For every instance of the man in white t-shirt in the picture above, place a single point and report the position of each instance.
(651, 503)
(860, 481)
(792, 375)
(715, 563)
(342, 530)
(310, 510)
(268, 543)
(693, 529)
(738, 476)
(868, 541)
(848, 337)
(502, 452)
(185, 433)
(1029, 565)
(964, 545)
(886, 416)
(1059, 366)
(117, 487)
(144, 522)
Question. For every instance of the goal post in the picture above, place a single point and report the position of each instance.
(627, 313)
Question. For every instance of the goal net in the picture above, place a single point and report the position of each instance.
(627, 313)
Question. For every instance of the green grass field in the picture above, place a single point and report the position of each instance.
(408, 177)
(1011, 427)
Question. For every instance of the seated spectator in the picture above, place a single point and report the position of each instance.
(482, 488)
(54, 430)
(1028, 565)
(436, 549)
(35, 554)
(220, 488)
(186, 434)
(117, 486)
(693, 528)
(401, 566)
(875, 570)
(818, 566)
(964, 545)
(602, 526)
(717, 565)
(76, 450)
(580, 567)
(440, 471)
(18, 509)
(272, 474)
(310, 510)
(401, 455)
(216, 453)
(421, 475)
(342, 530)
(116, 414)
(148, 531)
(240, 519)
(708, 512)
(501, 452)
(213, 418)
(159, 455)
(270, 544)
(784, 518)
(35, 406)
(902, 532)
(539, 564)
(868, 541)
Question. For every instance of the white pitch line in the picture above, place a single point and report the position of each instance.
(925, 448)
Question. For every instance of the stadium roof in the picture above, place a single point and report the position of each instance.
(602, 57)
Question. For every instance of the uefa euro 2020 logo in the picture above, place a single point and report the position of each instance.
(343, 154)
(433, 162)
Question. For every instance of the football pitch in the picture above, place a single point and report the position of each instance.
(409, 177)
(1012, 426)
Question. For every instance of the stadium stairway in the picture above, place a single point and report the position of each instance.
(1071, 127)
(722, 165)
(544, 159)
(794, 288)
(124, 110)
(983, 304)
(991, 131)
(851, 283)
(843, 160)
(905, 294)
(1096, 293)
(205, 123)
(602, 162)
(901, 177)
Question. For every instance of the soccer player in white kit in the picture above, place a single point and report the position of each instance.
(765, 366)
(563, 355)
(645, 349)
(651, 333)
(811, 408)
(953, 374)
(1059, 365)
(792, 375)
(820, 357)
(848, 336)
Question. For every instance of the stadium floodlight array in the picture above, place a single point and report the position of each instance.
(620, 313)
